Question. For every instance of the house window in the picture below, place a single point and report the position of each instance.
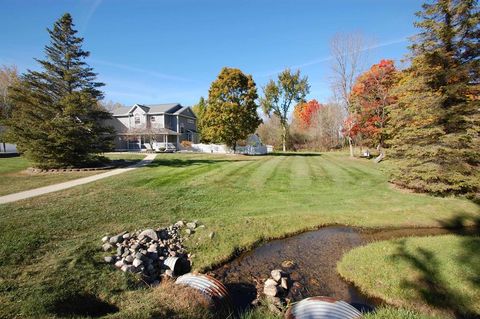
(137, 119)
(152, 119)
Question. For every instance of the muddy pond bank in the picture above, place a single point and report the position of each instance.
(310, 259)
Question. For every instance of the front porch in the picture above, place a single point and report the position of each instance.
(140, 142)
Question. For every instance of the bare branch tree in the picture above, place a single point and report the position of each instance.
(348, 51)
(8, 77)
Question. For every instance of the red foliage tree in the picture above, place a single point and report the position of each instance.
(370, 96)
(305, 112)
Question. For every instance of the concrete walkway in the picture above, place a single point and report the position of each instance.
(76, 182)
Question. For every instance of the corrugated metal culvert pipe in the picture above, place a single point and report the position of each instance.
(213, 289)
(322, 308)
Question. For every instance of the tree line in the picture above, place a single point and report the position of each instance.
(424, 118)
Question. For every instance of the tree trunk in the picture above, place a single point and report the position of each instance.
(350, 144)
(284, 137)
(381, 156)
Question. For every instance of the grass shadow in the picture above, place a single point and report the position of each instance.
(176, 162)
(302, 154)
(462, 224)
(430, 285)
(83, 305)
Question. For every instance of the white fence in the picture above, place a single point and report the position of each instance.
(223, 149)
(9, 148)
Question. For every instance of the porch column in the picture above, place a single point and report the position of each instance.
(178, 132)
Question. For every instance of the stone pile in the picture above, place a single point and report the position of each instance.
(276, 288)
(151, 252)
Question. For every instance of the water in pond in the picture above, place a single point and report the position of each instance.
(310, 258)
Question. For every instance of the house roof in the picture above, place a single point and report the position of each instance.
(162, 108)
(151, 108)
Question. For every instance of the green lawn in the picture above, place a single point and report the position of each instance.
(436, 275)
(49, 245)
(14, 177)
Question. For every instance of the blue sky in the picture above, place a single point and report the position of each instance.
(170, 51)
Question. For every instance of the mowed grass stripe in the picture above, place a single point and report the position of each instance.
(300, 173)
(264, 172)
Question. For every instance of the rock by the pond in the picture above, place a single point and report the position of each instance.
(106, 247)
(211, 235)
(169, 273)
(108, 259)
(276, 274)
(180, 223)
(270, 290)
(105, 239)
(137, 262)
(116, 239)
(192, 225)
(189, 231)
(144, 251)
(150, 233)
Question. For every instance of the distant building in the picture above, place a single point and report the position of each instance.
(4, 146)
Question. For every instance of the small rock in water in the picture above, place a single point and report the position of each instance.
(150, 233)
(270, 290)
(288, 263)
(276, 274)
(270, 282)
(284, 283)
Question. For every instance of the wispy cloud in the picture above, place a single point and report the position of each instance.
(90, 14)
(140, 70)
(329, 58)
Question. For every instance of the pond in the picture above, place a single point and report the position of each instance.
(310, 259)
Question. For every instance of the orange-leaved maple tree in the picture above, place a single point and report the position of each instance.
(370, 96)
(304, 113)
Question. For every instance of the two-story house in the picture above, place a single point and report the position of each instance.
(158, 126)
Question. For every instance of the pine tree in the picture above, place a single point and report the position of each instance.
(231, 114)
(435, 123)
(57, 119)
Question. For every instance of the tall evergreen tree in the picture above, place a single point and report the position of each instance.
(435, 124)
(56, 119)
(232, 112)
